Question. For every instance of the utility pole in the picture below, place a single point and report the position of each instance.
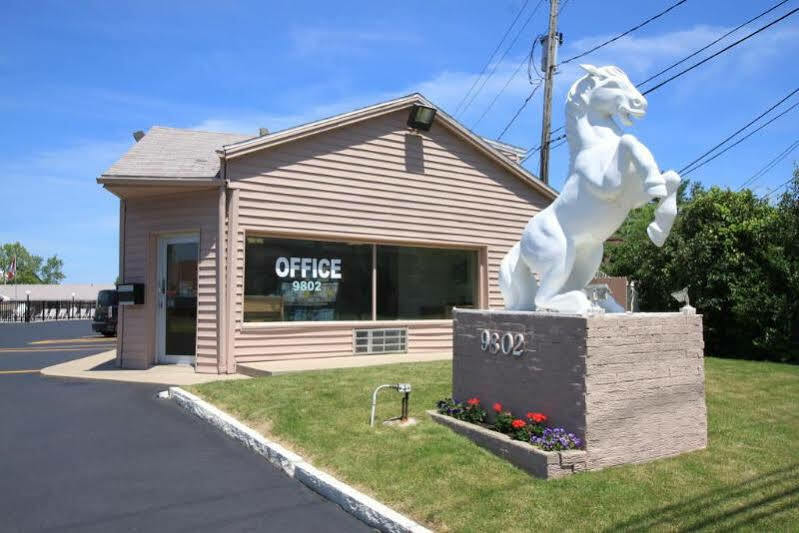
(550, 61)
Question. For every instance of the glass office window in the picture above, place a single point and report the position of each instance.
(419, 283)
(298, 280)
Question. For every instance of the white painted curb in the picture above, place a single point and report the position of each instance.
(366, 509)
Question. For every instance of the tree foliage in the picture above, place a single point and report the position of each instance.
(739, 257)
(31, 268)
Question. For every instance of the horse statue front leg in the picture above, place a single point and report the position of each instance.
(642, 160)
(656, 185)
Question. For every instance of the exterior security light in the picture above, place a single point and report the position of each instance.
(421, 117)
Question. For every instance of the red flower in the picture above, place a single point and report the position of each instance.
(518, 423)
(537, 417)
(473, 401)
(498, 407)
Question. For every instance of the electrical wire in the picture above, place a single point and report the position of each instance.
(686, 58)
(708, 58)
(499, 61)
(770, 165)
(761, 115)
(538, 148)
(778, 187)
(510, 79)
(693, 54)
(739, 141)
(496, 49)
(616, 38)
(518, 112)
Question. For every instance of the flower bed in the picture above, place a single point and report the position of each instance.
(529, 444)
(531, 429)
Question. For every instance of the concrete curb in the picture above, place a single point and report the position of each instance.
(366, 509)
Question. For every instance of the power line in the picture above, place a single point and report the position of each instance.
(770, 165)
(694, 54)
(537, 148)
(686, 58)
(736, 43)
(739, 41)
(518, 112)
(739, 141)
(491, 57)
(496, 65)
(778, 187)
(510, 79)
(761, 115)
(609, 41)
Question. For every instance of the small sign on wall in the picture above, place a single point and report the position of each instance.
(130, 293)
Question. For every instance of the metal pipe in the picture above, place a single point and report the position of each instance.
(374, 401)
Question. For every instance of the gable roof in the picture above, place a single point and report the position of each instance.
(501, 153)
(173, 153)
(183, 155)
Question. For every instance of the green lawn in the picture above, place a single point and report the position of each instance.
(748, 478)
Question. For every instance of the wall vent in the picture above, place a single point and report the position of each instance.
(390, 340)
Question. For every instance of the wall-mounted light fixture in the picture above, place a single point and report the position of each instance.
(421, 117)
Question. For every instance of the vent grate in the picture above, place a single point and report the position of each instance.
(370, 341)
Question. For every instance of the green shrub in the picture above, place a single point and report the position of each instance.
(739, 257)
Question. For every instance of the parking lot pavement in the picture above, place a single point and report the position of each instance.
(98, 456)
(40, 344)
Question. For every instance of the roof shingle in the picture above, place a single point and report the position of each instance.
(173, 153)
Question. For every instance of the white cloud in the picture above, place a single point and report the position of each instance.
(76, 164)
(639, 56)
(642, 56)
(309, 41)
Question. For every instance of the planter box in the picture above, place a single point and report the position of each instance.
(534, 461)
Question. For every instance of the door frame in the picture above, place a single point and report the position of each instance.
(162, 240)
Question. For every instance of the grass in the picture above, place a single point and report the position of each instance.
(748, 478)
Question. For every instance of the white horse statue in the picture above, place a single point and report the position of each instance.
(610, 173)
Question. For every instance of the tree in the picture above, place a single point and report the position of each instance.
(736, 253)
(31, 268)
(51, 271)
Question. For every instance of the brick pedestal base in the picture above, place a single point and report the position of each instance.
(631, 385)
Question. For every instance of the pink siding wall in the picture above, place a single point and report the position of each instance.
(145, 219)
(374, 182)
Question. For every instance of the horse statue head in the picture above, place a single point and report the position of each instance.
(606, 91)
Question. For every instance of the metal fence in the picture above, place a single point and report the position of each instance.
(40, 310)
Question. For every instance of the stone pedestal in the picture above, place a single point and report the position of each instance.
(631, 385)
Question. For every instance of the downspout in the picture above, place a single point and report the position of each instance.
(221, 329)
(232, 265)
(123, 213)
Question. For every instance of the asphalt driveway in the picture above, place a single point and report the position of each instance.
(100, 456)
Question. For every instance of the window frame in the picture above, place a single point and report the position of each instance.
(480, 281)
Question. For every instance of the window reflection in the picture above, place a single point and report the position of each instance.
(424, 282)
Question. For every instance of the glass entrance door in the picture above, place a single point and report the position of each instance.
(177, 299)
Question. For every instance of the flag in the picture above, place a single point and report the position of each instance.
(12, 269)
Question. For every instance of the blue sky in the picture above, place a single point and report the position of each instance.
(79, 77)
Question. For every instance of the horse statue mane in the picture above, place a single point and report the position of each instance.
(610, 173)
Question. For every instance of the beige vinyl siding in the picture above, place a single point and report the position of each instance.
(146, 219)
(374, 182)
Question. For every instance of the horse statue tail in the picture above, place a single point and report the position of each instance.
(516, 282)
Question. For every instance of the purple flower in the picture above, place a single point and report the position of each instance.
(556, 439)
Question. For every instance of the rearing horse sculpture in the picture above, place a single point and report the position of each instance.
(610, 173)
